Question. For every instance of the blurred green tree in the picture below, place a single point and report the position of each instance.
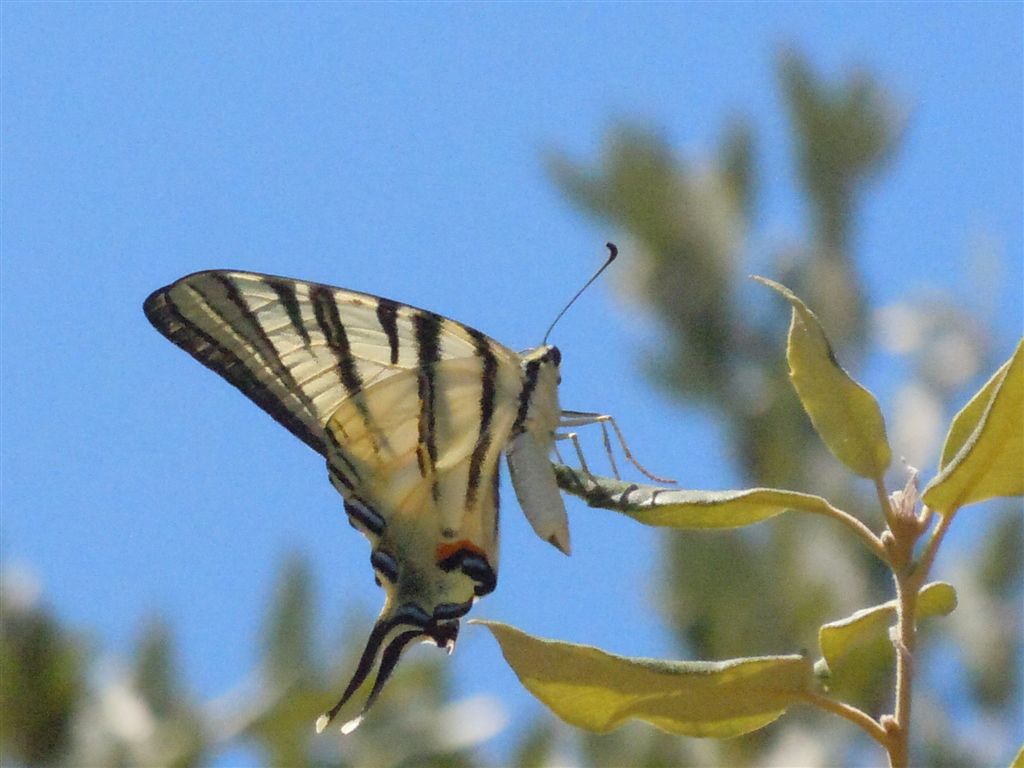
(42, 678)
(743, 593)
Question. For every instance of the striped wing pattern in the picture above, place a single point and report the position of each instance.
(411, 411)
(284, 344)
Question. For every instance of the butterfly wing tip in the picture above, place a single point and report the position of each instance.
(351, 725)
(561, 543)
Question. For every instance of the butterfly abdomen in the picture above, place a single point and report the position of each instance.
(531, 442)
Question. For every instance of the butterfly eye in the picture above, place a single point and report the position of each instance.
(385, 565)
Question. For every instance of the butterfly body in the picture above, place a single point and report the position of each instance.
(411, 412)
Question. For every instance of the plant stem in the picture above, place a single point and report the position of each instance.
(924, 565)
(859, 718)
(908, 584)
(906, 635)
(863, 532)
(883, 500)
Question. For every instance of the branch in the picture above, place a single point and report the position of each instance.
(859, 718)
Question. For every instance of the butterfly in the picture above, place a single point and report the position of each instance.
(411, 412)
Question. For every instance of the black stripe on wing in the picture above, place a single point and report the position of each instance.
(285, 291)
(387, 316)
(329, 320)
(488, 395)
(428, 349)
(165, 316)
(256, 336)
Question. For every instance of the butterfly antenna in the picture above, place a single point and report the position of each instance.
(613, 251)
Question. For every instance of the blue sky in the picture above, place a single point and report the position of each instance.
(396, 149)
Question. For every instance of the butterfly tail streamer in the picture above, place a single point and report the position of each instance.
(366, 664)
(389, 660)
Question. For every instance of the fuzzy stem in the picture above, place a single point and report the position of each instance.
(863, 532)
(883, 500)
(859, 718)
(908, 584)
(906, 636)
(924, 565)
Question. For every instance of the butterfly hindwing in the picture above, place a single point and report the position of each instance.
(381, 448)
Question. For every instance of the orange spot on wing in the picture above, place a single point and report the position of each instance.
(446, 550)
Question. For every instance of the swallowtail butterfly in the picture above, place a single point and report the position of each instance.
(411, 411)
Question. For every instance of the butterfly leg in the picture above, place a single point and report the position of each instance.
(558, 453)
(582, 418)
(608, 449)
(579, 450)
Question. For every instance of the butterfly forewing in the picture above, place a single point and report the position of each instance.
(284, 343)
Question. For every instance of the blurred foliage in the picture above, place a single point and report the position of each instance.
(55, 713)
(689, 224)
(42, 671)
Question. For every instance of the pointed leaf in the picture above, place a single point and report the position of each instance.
(678, 508)
(984, 452)
(844, 413)
(599, 691)
(854, 647)
(966, 421)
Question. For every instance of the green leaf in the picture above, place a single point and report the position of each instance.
(966, 421)
(844, 413)
(677, 508)
(599, 691)
(983, 456)
(855, 647)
